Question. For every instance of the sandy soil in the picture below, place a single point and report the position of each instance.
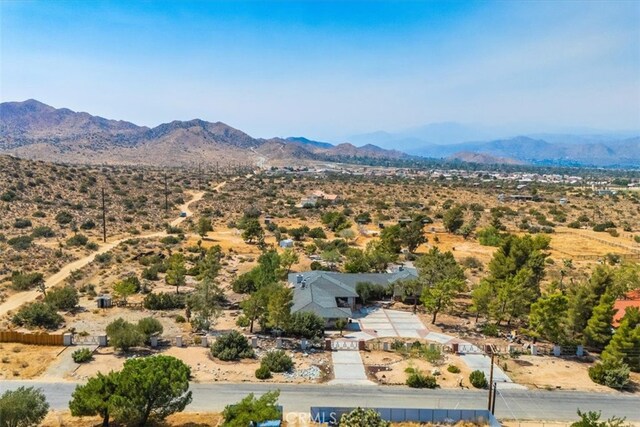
(389, 368)
(205, 368)
(25, 361)
(551, 372)
(184, 419)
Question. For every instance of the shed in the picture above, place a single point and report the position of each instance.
(286, 243)
(104, 301)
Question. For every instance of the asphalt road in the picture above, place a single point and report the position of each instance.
(511, 404)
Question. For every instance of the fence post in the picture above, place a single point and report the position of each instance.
(67, 339)
(154, 341)
(557, 350)
(327, 344)
(204, 341)
(102, 341)
(179, 341)
(580, 351)
(534, 350)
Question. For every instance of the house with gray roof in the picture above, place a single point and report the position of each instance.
(333, 295)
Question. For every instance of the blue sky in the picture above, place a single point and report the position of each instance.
(327, 70)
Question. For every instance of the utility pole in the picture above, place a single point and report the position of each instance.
(104, 219)
(491, 385)
(493, 400)
(166, 195)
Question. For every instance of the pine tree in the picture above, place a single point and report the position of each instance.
(548, 317)
(625, 344)
(598, 331)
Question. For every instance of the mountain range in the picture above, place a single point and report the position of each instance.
(35, 130)
(482, 144)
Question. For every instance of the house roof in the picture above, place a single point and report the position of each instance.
(318, 290)
(630, 299)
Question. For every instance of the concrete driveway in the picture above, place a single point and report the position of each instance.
(380, 323)
(348, 368)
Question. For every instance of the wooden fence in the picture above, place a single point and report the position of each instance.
(29, 338)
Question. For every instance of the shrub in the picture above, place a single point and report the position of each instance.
(490, 330)
(25, 281)
(263, 373)
(77, 240)
(164, 301)
(232, 346)
(363, 417)
(88, 225)
(613, 374)
(277, 361)
(306, 325)
(124, 335)
(170, 240)
(433, 354)
(64, 217)
(64, 298)
(38, 315)
(417, 379)
(20, 243)
(148, 327)
(180, 319)
(42, 231)
(490, 236)
(478, 380)
(471, 262)
(453, 369)
(22, 223)
(82, 355)
(243, 321)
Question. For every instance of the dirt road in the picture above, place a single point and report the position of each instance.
(16, 300)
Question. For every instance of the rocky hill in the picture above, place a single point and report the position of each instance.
(34, 130)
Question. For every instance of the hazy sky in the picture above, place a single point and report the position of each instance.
(328, 69)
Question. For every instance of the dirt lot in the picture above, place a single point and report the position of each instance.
(25, 361)
(389, 368)
(204, 368)
(554, 373)
(184, 419)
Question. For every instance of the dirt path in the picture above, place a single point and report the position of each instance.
(15, 301)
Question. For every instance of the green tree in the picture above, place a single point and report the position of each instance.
(177, 272)
(379, 256)
(255, 306)
(335, 221)
(22, 407)
(124, 289)
(252, 231)
(625, 344)
(548, 318)
(124, 335)
(306, 324)
(392, 238)
(95, 397)
(453, 218)
(205, 302)
(204, 226)
(599, 331)
(279, 307)
(410, 289)
(356, 261)
(252, 409)
(287, 259)
(152, 388)
(341, 324)
(38, 315)
(412, 235)
(440, 279)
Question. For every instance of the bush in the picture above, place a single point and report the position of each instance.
(612, 374)
(180, 319)
(64, 217)
(232, 346)
(277, 361)
(490, 236)
(82, 355)
(478, 380)
(243, 321)
(20, 243)
(433, 354)
(490, 330)
(148, 327)
(306, 325)
(77, 240)
(42, 231)
(88, 225)
(38, 315)
(363, 417)
(22, 223)
(453, 369)
(263, 373)
(170, 240)
(64, 298)
(23, 407)
(417, 379)
(124, 335)
(25, 281)
(164, 301)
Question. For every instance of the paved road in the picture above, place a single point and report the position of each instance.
(513, 404)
